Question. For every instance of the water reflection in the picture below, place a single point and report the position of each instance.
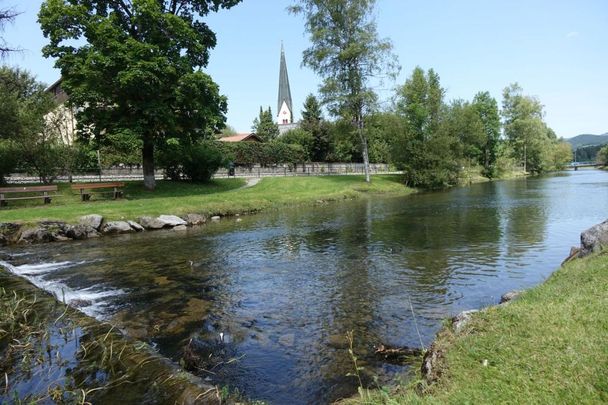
(284, 287)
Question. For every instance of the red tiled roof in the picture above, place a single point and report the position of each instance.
(241, 138)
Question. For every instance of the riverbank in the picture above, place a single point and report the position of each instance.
(547, 346)
(178, 205)
(52, 353)
(219, 197)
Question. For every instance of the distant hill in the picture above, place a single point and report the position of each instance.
(587, 140)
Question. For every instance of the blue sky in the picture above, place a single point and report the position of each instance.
(557, 50)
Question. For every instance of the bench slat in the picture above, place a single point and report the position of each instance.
(30, 198)
(31, 189)
(91, 186)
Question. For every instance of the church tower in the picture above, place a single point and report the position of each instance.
(284, 107)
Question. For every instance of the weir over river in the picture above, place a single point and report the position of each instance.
(283, 287)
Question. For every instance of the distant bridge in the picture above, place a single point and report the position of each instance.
(577, 165)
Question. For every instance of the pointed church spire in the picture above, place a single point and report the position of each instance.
(284, 91)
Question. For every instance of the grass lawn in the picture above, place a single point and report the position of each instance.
(221, 197)
(548, 347)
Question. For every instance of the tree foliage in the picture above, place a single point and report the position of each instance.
(313, 123)
(31, 137)
(429, 148)
(486, 108)
(264, 125)
(135, 66)
(347, 53)
(602, 156)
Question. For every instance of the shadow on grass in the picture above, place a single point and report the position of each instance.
(133, 190)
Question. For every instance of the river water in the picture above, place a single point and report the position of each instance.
(275, 293)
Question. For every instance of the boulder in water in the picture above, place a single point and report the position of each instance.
(172, 220)
(199, 354)
(151, 223)
(81, 232)
(136, 227)
(38, 234)
(114, 227)
(194, 219)
(510, 296)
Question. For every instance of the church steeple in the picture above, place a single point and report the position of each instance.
(284, 107)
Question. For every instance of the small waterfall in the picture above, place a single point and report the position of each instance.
(90, 301)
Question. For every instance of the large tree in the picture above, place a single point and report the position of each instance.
(524, 127)
(487, 110)
(347, 53)
(133, 66)
(430, 146)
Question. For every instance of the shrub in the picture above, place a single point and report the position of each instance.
(202, 161)
(8, 160)
(197, 162)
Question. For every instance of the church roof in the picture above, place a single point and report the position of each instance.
(284, 90)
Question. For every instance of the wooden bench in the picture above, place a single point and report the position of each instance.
(86, 189)
(41, 191)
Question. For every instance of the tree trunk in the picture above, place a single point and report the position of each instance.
(148, 163)
(364, 149)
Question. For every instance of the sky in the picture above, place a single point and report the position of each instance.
(557, 50)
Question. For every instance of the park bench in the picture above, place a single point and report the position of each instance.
(24, 193)
(86, 189)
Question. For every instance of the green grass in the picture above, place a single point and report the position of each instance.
(549, 347)
(221, 197)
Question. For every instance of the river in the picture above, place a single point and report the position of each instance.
(276, 292)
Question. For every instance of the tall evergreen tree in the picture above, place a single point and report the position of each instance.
(313, 123)
(347, 53)
(264, 125)
(135, 66)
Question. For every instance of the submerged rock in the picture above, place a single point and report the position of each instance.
(397, 355)
(510, 296)
(180, 228)
(93, 220)
(80, 303)
(337, 341)
(206, 354)
(216, 218)
(287, 340)
(594, 239)
(117, 227)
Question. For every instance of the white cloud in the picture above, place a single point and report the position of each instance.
(572, 34)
